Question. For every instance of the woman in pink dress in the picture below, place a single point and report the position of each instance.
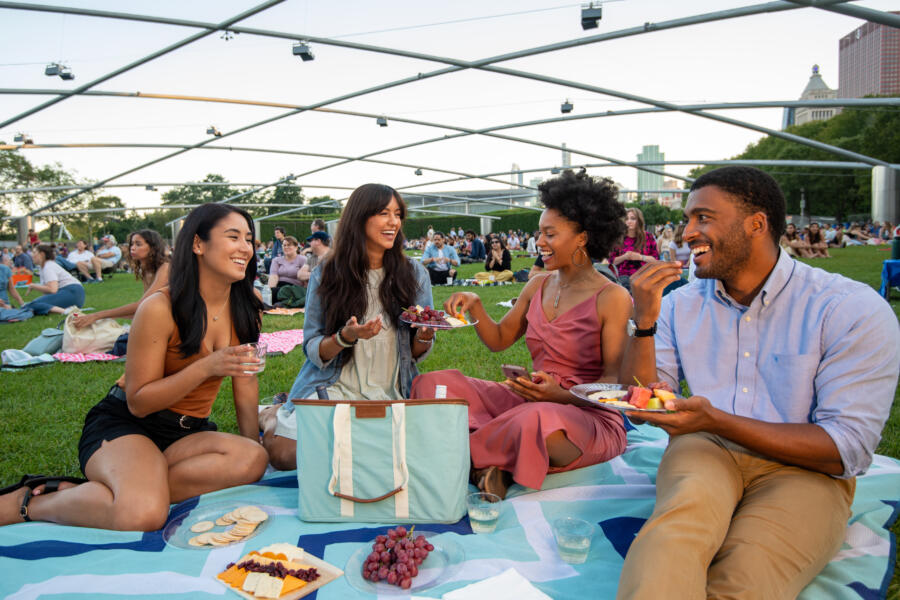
(574, 321)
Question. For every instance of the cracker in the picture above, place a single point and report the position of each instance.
(202, 526)
(195, 541)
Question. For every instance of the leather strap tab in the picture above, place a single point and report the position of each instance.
(370, 412)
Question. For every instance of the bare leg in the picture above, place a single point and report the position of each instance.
(561, 451)
(83, 269)
(282, 451)
(98, 268)
(208, 461)
(127, 491)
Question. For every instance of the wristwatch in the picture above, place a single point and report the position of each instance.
(633, 330)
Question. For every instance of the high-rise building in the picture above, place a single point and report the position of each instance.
(816, 89)
(869, 61)
(647, 180)
(566, 157)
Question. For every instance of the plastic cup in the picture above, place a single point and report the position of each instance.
(253, 351)
(573, 539)
(484, 511)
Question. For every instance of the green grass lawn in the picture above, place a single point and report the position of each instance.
(43, 408)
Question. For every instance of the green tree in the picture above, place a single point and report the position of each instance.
(200, 194)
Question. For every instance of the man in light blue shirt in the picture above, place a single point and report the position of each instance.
(793, 371)
(108, 256)
(440, 258)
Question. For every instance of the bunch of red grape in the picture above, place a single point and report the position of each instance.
(396, 557)
(426, 316)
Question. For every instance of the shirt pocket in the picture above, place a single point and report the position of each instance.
(791, 383)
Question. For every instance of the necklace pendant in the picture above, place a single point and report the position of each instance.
(556, 302)
(216, 318)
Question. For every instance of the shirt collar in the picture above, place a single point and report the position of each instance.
(777, 280)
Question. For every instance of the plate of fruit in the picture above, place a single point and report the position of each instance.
(402, 561)
(620, 398)
(436, 319)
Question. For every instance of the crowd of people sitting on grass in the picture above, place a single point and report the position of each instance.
(751, 462)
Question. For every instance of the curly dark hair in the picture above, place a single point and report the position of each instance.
(592, 204)
(755, 190)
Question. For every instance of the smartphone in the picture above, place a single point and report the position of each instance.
(514, 371)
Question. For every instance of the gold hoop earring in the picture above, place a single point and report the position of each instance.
(587, 258)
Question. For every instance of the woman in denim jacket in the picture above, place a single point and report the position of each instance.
(355, 344)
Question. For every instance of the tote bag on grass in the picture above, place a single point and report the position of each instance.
(99, 336)
(403, 461)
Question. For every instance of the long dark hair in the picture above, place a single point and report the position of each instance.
(640, 235)
(154, 260)
(188, 307)
(346, 270)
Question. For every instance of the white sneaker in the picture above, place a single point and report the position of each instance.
(70, 310)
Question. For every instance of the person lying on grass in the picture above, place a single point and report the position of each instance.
(149, 442)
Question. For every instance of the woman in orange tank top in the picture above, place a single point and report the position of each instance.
(151, 443)
(573, 319)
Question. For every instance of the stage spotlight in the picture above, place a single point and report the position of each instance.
(418, 171)
(566, 107)
(554, 171)
(150, 188)
(66, 73)
(303, 50)
(382, 121)
(590, 14)
(51, 69)
(211, 130)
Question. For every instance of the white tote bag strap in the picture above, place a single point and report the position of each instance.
(341, 482)
(342, 458)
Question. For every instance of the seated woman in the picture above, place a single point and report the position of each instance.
(8, 291)
(147, 258)
(284, 269)
(355, 344)
(794, 244)
(818, 247)
(498, 263)
(574, 323)
(60, 289)
(151, 443)
(638, 247)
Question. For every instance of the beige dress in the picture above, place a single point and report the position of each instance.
(372, 372)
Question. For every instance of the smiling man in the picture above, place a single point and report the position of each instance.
(792, 371)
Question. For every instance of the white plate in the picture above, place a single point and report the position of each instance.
(448, 326)
(584, 391)
(442, 563)
(177, 531)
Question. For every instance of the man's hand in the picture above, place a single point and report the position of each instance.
(647, 286)
(691, 415)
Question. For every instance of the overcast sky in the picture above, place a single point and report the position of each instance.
(762, 57)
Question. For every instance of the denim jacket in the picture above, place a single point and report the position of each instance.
(314, 372)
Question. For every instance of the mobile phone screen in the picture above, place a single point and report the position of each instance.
(514, 371)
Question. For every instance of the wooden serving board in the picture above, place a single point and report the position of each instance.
(327, 574)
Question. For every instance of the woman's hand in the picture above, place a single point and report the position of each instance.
(81, 320)
(424, 333)
(353, 331)
(541, 388)
(461, 302)
(233, 361)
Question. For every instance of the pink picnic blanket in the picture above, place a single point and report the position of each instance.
(278, 342)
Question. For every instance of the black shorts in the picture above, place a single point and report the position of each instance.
(110, 419)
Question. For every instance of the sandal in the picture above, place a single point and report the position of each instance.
(51, 484)
(16, 486)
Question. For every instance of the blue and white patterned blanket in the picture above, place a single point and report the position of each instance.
(39, 560)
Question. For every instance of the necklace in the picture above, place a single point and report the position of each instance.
(560, 287)
(216, 317)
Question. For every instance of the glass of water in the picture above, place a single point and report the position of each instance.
(484, 511)
(573, 539)
(252, 352)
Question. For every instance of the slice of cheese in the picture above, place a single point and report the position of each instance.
(252, 581)
(268, 587)
(291, 584)
(290, 551)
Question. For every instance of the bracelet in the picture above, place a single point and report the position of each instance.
(418, 339)
(341, 341)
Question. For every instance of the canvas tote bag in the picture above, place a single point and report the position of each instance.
(99, 336)
(402, 461)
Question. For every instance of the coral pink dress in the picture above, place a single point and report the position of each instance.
(510, 433)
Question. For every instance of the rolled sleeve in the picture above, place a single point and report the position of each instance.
(423, 298)
(667, 363)
(857, 377)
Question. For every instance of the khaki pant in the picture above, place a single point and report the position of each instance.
(731, 524)
(506, 275)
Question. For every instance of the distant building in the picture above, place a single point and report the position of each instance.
(816, 89)
(671, 200)
(647, 180)
(566, 157)
(869, 61)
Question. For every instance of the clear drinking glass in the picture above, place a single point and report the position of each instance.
(573, 539)
(484, 511)
(251, 351)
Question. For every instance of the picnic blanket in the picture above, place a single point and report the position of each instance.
(279, 342)
(45, 560)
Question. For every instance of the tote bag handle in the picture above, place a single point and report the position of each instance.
(341, 483)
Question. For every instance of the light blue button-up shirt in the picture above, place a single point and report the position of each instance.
(447, 251)
(812, 347)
